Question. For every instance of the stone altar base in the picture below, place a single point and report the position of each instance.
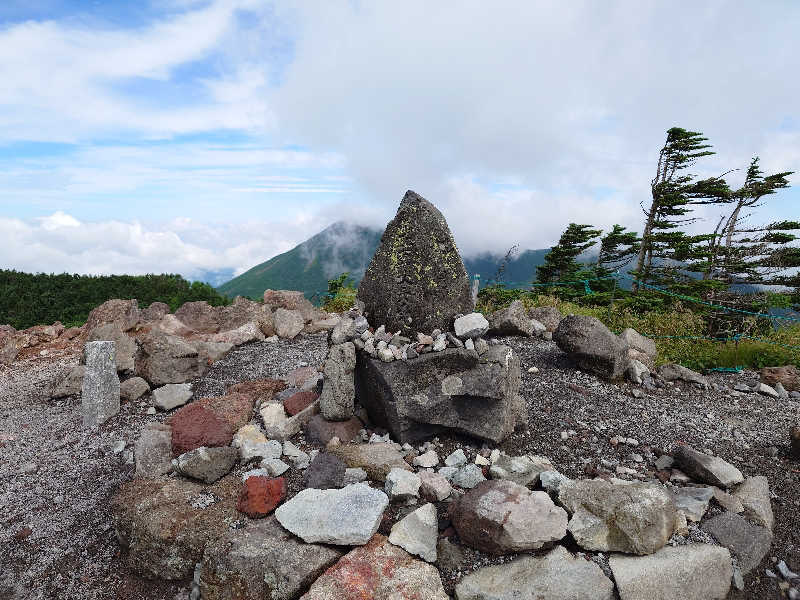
(454, 389)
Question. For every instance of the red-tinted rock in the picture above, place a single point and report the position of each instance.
(261, 495)
(123, 312)
(299, 376)
(259, 390)
(194, 426)
(794, 433)
(378, 571)
(320, 431)
(233, 408)
(200, 316)
(299, 401)
(787, 376)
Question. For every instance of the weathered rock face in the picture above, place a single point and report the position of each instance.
(199, 316)
(153, 450)
(748, 543)
(133, 389)
(417, 533)
(288, 323)
(556, 576)
(166, 359)
(207, 464)
(338, 393)
(261, 495)
(693, 572)
(123, 312)
(155, 312)
(787, 376)
(638, 518)
(416, 280)
(124, 344)
(501, 517)
(378, 571)
(453, 389)
(263, 560)
(513, 320)
(71, 384)
(592, 346)
(549, 316)
(638, 342)
(755, 498)
(166, 524)
(706, 468)
(210, 422)
(376, 459)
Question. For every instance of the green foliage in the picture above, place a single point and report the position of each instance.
(341, 294)
(560, 264)
(27, 300)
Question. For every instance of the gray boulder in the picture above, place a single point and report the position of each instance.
(153, 450)
(172, 395)
(755, 498)
(592, 346)
(338, 392)
(676, 372)
(71, 384)
(558, 575)
(549, 316)
(417, 533)
(638, 342)
(706, 468)
(346, 517)
(100, 386)
(693, 572)
(416, 281)
(288, 323)
(454, 389)
(637, 518)
(262, 560)
(519, 469)
(164, 359)
(513, 320)
(692, 501)
(207, 464)
(471, 326)
(747, 542)
(343, 331)
(125, 346)
(133, 389)
(501, 517)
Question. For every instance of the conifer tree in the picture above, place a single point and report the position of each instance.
(559, 263)
(617, 249)
(673, 192)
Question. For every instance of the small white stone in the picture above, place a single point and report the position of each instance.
(456, 459)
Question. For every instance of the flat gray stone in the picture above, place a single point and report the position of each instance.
(207, 464)
(417, 533)
(346, 517)
(748, 543)
(471, 326)
(172, 395)
(434, 487)
(691, 572)
(755, 498)
(467, 477)
(402, 485)
(707, 469)
(558, 575)
(262, 560)
(100, 387)
(71, 384)
(638, 518)
(519, 469)
(153, 451)
(692, 501)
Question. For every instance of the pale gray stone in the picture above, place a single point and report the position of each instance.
(637, 371)
(346, 517)
(692, 572)
(426, 461)
(638, 518)
(356, 475)
(551, 481)
(288, 323)
(675, 372)
(172, 395)
(754, 495)
(153, 450)
(706, 468)
(71, 384)
(132, 389)
(207, 464)
(100, 388)
(467, 477)
(471, 326)
(456, 459)
(692, 501)
(402, 485)
(766, 390)
(338, 392)
(748, 543)
(274, 466)
(434, 487)
(124, 346)
(558, 575)
(344, 331)
(519, 469)
(638, 342)
(417, 533)
(253, 445)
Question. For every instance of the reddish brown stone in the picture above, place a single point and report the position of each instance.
(195, 425)
(199, 316)
(299, 401)
(235, 409)
(23, 533)
(261, 495)
(320, 431)
(260, 390)
(123, 312)
(299, 376)
(787, 376)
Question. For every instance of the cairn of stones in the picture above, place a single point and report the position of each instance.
(422, 365)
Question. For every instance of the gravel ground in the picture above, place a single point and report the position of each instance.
(56, 539)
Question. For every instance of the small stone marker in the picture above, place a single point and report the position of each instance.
(100, 390)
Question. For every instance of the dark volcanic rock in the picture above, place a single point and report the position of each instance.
(453, 389)
(416, 280)
(592, 346)
(325, 472)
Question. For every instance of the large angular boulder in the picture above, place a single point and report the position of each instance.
(692, 572)
(378, 571)
(262, 560)
(165, 524)
(637, 518)
(513, 320)
(249, 332)
(164, 359)
(501, 517)
(549, 316)
(11, 343)
(705, 468)
(416, 280)
(290, 300)
(788, 377)
(243, 311)
(454, 389)
(288, 323)
(558, 575)
(199, 316)
(125, 313)
(747, 542)
(155, 312)
(592, 346)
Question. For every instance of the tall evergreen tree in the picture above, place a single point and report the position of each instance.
(673, 192)
(559, 263)
(617, 249)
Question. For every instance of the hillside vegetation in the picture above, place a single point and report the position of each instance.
(27, 300)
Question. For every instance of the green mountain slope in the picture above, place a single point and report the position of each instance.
(344, 247)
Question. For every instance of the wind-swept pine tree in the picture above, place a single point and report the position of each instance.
(617, 249)
(664, 247)
(559, 263)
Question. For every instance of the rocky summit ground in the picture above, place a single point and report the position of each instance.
(56, 479)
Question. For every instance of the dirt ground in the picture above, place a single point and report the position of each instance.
(56, 539)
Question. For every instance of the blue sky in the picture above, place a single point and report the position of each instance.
(200, 136)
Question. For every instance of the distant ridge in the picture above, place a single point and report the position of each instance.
(347, 247)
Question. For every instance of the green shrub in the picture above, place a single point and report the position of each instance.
(341, 294)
